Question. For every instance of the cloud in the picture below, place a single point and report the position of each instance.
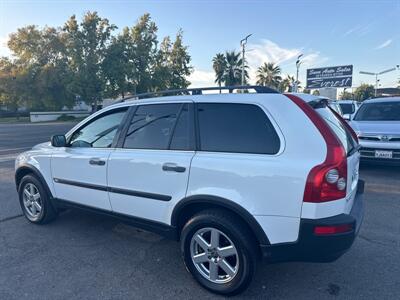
(360, 29)
(4, 51)
(201, 78)
(384, 44)
(259, 53)
(268, 51)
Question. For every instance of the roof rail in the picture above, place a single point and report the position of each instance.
(199, 91)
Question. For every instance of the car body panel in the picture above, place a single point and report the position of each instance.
(73, 164)
(141, 170)
(39, 158)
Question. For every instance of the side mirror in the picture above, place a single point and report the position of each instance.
(347, 117)
(58, 140)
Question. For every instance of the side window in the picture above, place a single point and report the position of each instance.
(242, 128)
(99, 133)
(183, 137)
(152, 126)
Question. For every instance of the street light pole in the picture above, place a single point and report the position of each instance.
(376, 77)
(298, 63)
(243, 43)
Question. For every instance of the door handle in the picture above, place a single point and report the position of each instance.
(97, 162)
(171, 167)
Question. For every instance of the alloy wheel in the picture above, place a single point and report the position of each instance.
(32, 201)
(214, 255)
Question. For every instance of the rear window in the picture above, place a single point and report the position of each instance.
(337, 126)
(383, 111)
(242, 128)
(347, 108)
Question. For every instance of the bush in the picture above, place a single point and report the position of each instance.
(65, 117)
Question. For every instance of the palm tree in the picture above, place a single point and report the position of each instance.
(269, 75)
(228, 69)
(233, 69)
(285, 84)
(219, 65)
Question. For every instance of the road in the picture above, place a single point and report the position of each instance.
(84, 256)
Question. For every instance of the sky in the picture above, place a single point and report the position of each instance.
(365, 33)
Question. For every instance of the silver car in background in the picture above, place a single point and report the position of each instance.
(377, 124)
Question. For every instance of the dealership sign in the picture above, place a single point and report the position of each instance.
(336, 77)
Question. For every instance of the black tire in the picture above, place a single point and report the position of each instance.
(48, 212)
(238, 233)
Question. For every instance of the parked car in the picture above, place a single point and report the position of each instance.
(377, 124)
(335, 106)
(233, 177)
(349, 108)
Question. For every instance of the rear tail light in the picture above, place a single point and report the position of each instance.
(327, 181)
(325, 230)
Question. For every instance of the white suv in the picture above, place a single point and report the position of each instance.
(233, 177)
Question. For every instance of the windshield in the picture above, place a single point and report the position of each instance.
(337, 126)
(382, 111)
(347, 108)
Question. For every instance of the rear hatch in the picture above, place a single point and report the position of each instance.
(337, 124)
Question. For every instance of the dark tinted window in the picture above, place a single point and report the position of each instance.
(151, 126)
(380, 111)
(183, 137)
(347, 108)
(236, 128)
(100, 132)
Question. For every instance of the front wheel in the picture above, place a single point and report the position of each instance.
(219, 252)
(35, 201)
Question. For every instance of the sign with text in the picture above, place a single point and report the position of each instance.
(330, 77)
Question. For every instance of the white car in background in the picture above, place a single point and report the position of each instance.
(335, 106)
(377, 124)
(349, 108)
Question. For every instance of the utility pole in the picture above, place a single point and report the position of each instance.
(243, 43)
(376, 76)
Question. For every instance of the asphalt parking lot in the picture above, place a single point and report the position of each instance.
(84, 256)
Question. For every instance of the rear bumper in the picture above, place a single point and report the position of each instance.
(320, 248)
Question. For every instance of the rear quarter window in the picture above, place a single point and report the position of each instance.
(238, 128)
(338, 128)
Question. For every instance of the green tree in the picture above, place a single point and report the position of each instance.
(143, 52)
(363, 92)
(269, 75)
(8, 84)
(172, 65)
(219, 66)
(346, 95)
(42, 72)
(86, 45)
(179, 63)
(118, 67)
(51, 67)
